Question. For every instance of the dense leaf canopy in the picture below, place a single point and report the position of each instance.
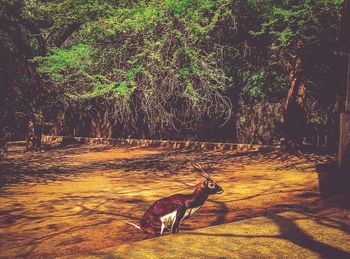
(164, 63)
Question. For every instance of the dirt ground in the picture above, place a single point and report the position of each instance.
(75, 199)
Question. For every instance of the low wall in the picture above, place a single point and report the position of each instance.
(192, 145)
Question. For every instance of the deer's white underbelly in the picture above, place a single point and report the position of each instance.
(168, 220)
(189, 212)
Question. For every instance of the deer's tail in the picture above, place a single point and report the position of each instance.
(134, 225)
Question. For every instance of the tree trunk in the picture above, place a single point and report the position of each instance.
(344, 137)
(35, 115)
(35, 131)
(295, 109)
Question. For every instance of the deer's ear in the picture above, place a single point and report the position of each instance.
(204, 184)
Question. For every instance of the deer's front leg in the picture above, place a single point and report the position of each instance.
(176, 224)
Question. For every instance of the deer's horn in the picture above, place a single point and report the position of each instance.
(198, 167)
(204, 174)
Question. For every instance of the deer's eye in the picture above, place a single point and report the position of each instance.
(211, 185)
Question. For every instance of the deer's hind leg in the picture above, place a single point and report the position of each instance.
(155, 226)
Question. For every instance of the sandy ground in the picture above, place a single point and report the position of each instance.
(75, 199)
(282, 235)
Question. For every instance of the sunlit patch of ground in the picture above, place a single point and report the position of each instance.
(76, 199)
(283, 235)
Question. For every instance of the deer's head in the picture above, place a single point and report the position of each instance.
(211, 186)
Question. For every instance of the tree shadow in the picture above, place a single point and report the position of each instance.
(290, 231)
(45, 223)
(55, 164)
(293, 233)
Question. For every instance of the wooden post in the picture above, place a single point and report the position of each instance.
(347, 101)
(344, 138)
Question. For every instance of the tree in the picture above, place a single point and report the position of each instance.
(296, 32)
(160, 67)
(160, 62)
(26, 24)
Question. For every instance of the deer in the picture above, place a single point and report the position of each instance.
(169, 212)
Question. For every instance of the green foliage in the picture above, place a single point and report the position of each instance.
(62, 64)
(162, 49)
(254, 88)
(302, 20)
(192, 94)
(63, 12)
(171, 62)
(274, 39)
(65, 66)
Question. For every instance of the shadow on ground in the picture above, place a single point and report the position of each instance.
(288, 234)
(77, 198)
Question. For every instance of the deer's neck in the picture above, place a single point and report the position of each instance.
(198, 197)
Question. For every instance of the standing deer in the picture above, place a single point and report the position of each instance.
(169, 212)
